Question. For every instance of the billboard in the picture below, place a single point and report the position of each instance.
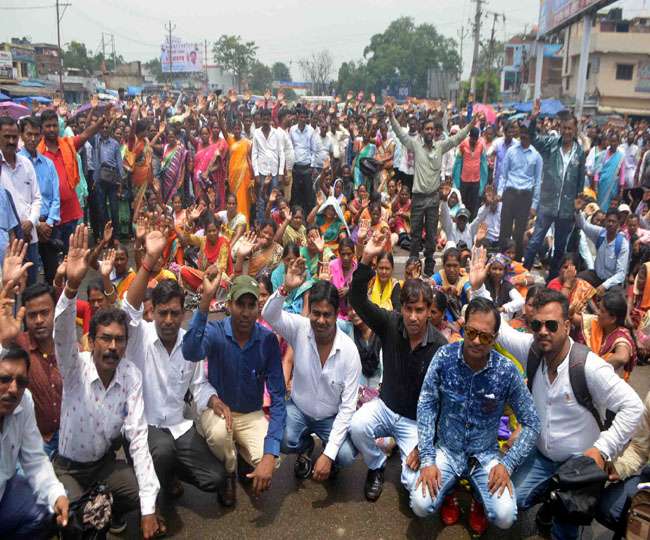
(643, 77)
(6, 65)
(185, 57)
(555, 14)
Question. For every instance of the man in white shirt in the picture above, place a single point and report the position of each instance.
(268, 162)
(331, 375)
(340, 138)
(283, 129)
(177, 449)
(322, 145)
(18, 177)
(302, 190)
(568, 428)
(27, 500)
(102, 401)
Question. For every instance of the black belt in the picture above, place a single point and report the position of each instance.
(71, 464)
(518, 190)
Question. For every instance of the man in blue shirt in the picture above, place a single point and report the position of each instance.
(109, 170)
(49, 235)
(521, 179)
(8, 222)
(302, 190)
(461, 403)
(242, 356)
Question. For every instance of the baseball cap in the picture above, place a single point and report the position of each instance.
(243, 285)
(624, 208)
(464, 212)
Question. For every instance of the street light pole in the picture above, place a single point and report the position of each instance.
(58, 41)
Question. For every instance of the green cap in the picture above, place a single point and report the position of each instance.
(243, 285)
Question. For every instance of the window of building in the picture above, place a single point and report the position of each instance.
(624, 72)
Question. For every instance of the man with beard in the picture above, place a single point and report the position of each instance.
(568, 427)
(408, 342)
(242, 357)
(326, 375)
(426, 181)
(102, 401)
(155, 347)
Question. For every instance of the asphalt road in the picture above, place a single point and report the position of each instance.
(307, 510)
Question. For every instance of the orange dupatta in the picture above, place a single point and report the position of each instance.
(69, 153)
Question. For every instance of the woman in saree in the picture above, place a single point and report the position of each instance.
(606, 333)
(328, 216)
(315, 252)
(341, 270)
(447, 328)
(359, 203)
(261, 251)
(210, 168)
(577, 290)
(611, 175)
(297, 300)
(173, 166)
(234, 224)
(292, 229)
(384, 154)
(400, 221)
(214, 249)
(368, 150)
(384, 289)
(240, 168)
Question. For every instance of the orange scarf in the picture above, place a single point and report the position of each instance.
(69, 153)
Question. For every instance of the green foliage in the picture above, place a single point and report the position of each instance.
(235, 55)
(280, 72)
(155, 68)
(260, 77)
(403, 52)
(493, 93)
(76, 56)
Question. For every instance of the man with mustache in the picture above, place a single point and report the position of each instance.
(22, 514)
(326, 375)
(18, 177)
(408, 342)
(568, 427)
(102, 399)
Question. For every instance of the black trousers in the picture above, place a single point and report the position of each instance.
(514, 218)
(424, 216)
(189, 458)
(302, 189)
(469, 192)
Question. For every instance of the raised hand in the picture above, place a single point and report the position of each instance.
(481, 233)
(211, 282)
(362, 233)
(13, 268)
(247, 243)
(320, 198)
(537, 107)
(478, 267)
(155, 243)
(108, 232)
(10, 326)
(324, 273)
(319, 243)
(295, 274)
(107, 264)
(445, 190)
(78, 251)
(374, 247)
(197, 211)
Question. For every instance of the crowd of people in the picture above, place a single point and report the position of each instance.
(282, 227)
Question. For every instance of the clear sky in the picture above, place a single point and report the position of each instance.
(284, 30)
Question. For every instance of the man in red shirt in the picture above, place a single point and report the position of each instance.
(62, 151)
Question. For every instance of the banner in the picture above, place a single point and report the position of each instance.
(555, 14)
(643, 77)
(6, 65)
(185, 57)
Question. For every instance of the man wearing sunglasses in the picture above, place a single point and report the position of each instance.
(464, 393)
(568, 429)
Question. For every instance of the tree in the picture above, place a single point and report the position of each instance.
(76, 56)
(317, 69)
(401, 55)
(260, 77)
(235, 55)
(156, 69)
(280, 72)
(493, 85)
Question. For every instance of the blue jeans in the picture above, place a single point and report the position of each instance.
(563, 228)
(104, 192)
(531, 480)
(52, 447)
(33, 257)
(298, 430)
(615, 503)
(263, 193)
(501, 511)
(373, 420)
(21, 515)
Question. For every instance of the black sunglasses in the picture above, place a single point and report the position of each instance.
(551, 326)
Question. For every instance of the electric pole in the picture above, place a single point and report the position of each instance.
(477, 38)
(462, 34)
(170, 28)
(113, 47)
(59, 16)
(205, 65)
(495, 18)
(103, 49)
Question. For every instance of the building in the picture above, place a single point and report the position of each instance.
(519, 63)
(47, 58)
(123, 76)
(618, 73)
(23, 58)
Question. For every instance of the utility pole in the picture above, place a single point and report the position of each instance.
(477, 37)
(113, 47)
(170, 28)
(495, 18)
(205, 65)
(59, 16)
(462, 34)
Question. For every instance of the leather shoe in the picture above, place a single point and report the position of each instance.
(450, 511)
(228, 493)
(478, 522)
(374, 484)
(304, 465)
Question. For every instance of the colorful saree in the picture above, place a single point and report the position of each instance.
(239, 174)
(610, 176)
(593, 336)
(214, 154)
(172, 171)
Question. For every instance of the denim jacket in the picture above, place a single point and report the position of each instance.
(459, 410)
(558, 191)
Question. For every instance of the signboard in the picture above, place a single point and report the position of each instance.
(556, 14)
(185, 57)
(6, 65)
(643, 77)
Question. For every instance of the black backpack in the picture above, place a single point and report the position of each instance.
(577, 378)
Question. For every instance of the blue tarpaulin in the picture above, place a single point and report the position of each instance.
(549, 107)
(38, 99)
(4, 97)
(134, 90)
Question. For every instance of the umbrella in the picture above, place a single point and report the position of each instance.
(4, 97)
(101, 106)
(15, 110)
(487, 110)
